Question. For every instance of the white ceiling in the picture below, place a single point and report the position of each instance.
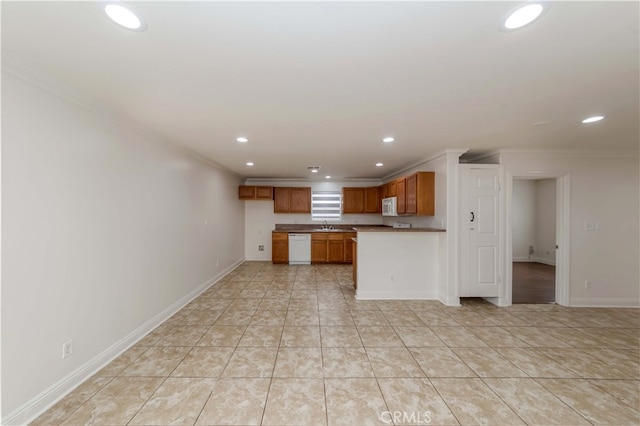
(320, 83)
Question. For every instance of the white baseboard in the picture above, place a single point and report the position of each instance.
(534, 260)
(544, 261)
(37, 405)
(390, 295)
(604, 303)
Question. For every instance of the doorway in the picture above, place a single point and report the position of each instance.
(533, 240)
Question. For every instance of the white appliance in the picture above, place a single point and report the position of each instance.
(299, 249)
(390, 206)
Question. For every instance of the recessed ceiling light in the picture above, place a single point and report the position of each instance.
(124, 16)
(388, 139)
(242, 139)
(593, 119)
(522, 16)
(327, 177)
(313, 169)
(379, 164)
(249, 163)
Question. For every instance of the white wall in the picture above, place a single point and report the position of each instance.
(260, 219)
(545, 221)
(603, 192)
(523, 205)
(533, 212)
(399, 265)
(103, 229)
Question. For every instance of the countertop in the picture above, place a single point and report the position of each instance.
(307, 229)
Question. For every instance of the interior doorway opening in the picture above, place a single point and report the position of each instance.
(534, 231)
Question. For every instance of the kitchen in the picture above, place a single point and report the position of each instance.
(123, 152)
(374, 215)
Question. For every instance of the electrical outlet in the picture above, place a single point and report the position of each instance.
(67, 349)
(390, 277)
(591, 226)
(260, 247)
(587, 283)
(217, 262)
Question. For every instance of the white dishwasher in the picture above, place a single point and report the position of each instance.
(299, 249)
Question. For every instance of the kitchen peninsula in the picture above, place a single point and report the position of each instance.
(399, 263)
(392, 263)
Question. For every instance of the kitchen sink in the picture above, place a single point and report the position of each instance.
(327, 230)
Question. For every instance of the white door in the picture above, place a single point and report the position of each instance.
(480, 231)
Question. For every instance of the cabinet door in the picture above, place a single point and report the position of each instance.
(348, 246)
(352, 200)
(425, 193)
(391, 189)
(247, 192)
(280, 200)
(318, 248)
(402, 196)
(264, 192)
(280, 247)
(371, 200)
(335, 248)
(300, 200)
(411, 189)
(380, 197)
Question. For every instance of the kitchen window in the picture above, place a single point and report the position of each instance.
(326, 205)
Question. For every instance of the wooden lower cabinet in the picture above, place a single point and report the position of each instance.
(326, 247)
(348, 246)
(280, 247)
(331, 247)
(319, 247)
(335, 248)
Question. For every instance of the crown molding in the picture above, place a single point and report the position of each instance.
(567, 153)
(435, 157)
(307, 180)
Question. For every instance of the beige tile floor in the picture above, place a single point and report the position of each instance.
(284, 345)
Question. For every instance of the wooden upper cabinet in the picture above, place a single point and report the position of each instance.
(421, 191)
(415, 193)
(264, 192)
(361, 200)
(401, 195)
(246, 192)
(390, 189)
(280, 200)
(352, 200)
(412, 194)
(300, 200)
(371, 200)
(291, 200)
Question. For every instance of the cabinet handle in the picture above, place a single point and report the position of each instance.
(473, 217)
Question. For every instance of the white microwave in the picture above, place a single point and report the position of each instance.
(390, 206)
